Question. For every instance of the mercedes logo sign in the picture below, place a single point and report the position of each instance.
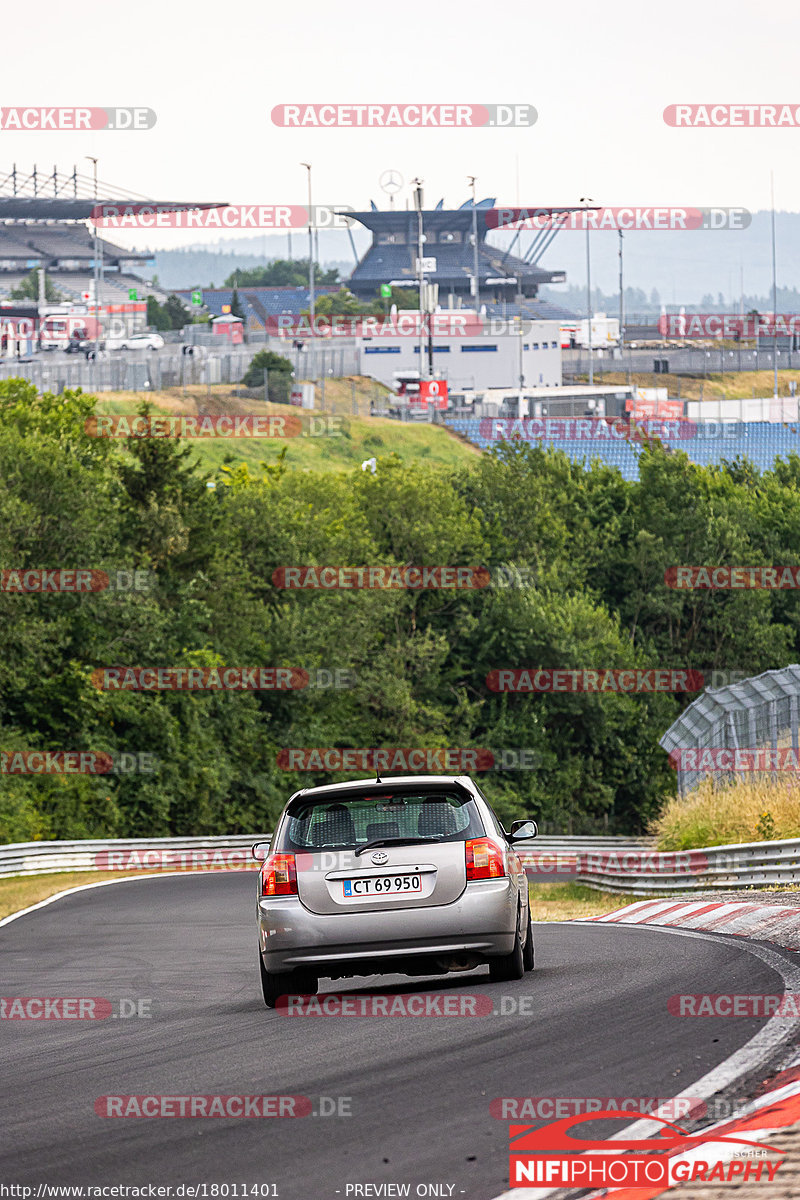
(391, 181)
(379, 858)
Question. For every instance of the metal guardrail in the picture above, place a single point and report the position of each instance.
(610, 864)
(40, 858)
(715, 868)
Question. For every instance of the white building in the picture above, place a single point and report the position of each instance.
(488, 354)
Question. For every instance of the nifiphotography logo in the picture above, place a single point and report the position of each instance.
(551, 1156)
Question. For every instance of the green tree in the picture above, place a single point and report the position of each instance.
(281, 272)
(28, 288)
(279, 375)
(236, 307)
(157, 317)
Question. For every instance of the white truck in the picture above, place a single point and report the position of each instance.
(605, 332)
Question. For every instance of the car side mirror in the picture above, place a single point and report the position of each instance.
(523, 830)
(260, 850)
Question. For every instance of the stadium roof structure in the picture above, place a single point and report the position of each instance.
(70, 208)
(448, 238)
(43, 225)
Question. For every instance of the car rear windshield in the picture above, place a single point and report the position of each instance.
(350, 821)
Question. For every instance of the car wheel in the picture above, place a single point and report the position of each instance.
(527, 953)
(508, 966)
(123, 347)
(300, 983)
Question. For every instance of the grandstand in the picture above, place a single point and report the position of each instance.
(44, 222)
(762, 442)
(448, 238)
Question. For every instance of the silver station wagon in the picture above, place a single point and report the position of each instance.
(412, 875)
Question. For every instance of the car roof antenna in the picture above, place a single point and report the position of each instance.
(377, 776)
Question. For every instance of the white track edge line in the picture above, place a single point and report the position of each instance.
(744, 1060)
(85, 887)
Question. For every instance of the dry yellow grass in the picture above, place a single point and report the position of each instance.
(572, 901)
(221, 397)
(752, 810)
(734, 386)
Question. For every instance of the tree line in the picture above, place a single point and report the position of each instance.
(577, 561)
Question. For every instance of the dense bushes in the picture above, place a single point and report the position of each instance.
(591, 549)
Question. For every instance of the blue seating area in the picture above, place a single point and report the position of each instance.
(273, 300)
(762, 442)
(540, 310)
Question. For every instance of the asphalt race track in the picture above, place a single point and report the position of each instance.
(419, 1087)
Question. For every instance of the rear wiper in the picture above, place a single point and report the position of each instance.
(395, 841)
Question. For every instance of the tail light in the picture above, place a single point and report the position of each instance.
(279, 876)
(484, 859)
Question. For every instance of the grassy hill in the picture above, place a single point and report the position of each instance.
(332, 440)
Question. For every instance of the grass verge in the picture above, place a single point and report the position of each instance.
(757, 810)
(570, 901)
(21, 891)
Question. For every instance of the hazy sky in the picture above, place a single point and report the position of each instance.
(599, 75)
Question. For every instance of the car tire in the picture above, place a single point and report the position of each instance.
(528, 952)
(301, 983)
(508, 966)
(123, 347)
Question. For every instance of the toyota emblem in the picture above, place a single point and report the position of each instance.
(379, 858)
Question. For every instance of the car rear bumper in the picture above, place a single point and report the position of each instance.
(481, 922)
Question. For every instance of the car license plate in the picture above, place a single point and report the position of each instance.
(381, 885)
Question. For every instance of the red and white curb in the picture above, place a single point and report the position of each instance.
(777, 1109)
(759, 922)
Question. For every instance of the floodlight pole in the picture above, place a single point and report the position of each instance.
(311, 304)
(476, 284)
(587, 200)
(421, 278)
(774, 296)
(621, 299)
(93, 161)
